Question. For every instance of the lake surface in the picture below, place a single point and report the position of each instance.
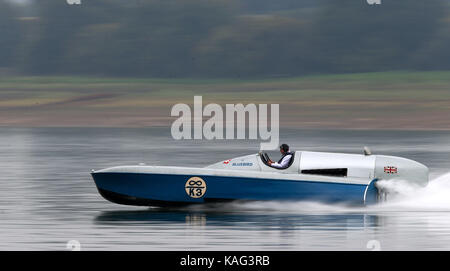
(47, 197)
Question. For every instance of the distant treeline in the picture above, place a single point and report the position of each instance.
(223, 38)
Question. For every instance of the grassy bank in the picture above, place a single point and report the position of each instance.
(389, 100)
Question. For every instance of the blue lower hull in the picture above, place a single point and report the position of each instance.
(158, 189)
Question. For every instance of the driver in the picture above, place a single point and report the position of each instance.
(286, 157)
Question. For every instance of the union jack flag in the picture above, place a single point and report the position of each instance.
(390, 170)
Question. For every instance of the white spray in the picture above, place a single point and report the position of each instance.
(403, 196)
(433, 197)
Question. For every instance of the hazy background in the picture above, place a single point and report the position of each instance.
(223, 38)
(328, 63)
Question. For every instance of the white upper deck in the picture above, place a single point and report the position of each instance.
(311, 166)
(305, 162)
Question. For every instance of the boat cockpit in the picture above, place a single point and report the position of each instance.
(265, 159)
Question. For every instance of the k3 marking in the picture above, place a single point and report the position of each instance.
(195, 187)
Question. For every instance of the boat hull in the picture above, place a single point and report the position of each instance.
(156, 189)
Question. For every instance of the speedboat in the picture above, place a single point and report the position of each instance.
(310, 176)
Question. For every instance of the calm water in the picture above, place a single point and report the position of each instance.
(47, 197)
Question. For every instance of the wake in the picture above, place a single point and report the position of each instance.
(433, 197)
(403, 196)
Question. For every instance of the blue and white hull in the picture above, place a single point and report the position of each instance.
(159, 189)
(248, 178)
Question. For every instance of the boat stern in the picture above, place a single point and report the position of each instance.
(397, 168)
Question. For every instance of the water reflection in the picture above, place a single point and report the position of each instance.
(242, 220)
(47, 196)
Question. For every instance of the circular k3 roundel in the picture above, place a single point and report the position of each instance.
(195, 187)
